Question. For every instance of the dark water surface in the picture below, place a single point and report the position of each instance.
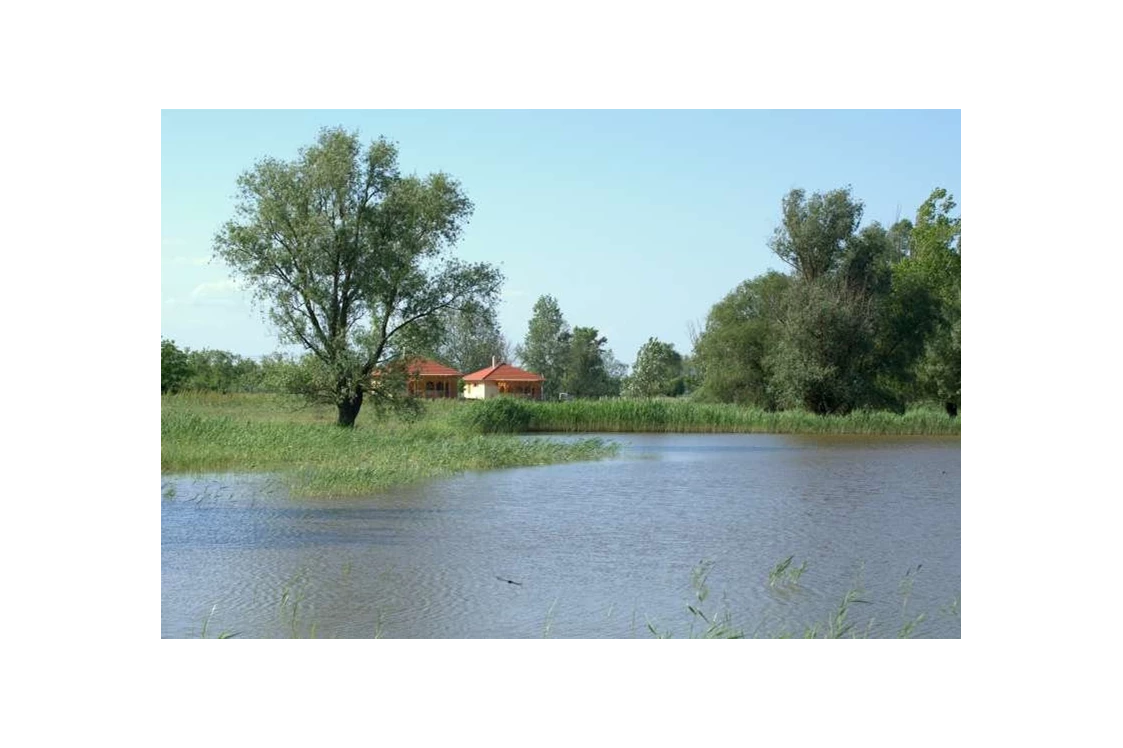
(599, 549)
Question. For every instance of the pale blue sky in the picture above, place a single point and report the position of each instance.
(637, 222)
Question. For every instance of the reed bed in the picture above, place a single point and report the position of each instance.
(684, 416)
(269, 433)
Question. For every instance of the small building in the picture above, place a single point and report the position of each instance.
(502, 379)
(431, 379)
(426, 379)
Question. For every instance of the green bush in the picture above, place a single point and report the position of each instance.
(503, 415)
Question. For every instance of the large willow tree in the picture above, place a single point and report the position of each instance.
(352, 260)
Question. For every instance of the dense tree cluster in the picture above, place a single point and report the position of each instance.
(573, 361)
(868, 318)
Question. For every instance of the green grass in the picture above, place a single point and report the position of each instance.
(272, 433)
(684, 416)
(275, 433)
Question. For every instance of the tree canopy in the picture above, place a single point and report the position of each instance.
(352, 261)
(588, 365)
(174, 367)
(658, 371)
(813, 231)
(546, 347)
(470, 338)
(868, 317)
(731, 352)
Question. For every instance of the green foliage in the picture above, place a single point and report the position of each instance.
(276, 371)
(937, 241)
(222, 371)
(731, 354)
(470, 338)
(587, 365)
(866, 265)
(174, 366)
(938, 371)
(502, 415)
(572, 361)
(686, 416)
(908, 315)
(209, 432)
(546, 347)
(352, 259)
(900, 239)
(823, 358)
(814, 231)
(869, 318)
(657, 371)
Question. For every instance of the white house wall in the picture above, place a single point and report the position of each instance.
(480, 390)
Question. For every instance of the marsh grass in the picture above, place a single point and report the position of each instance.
(207, 622)
(296, 614)
(785, 575)
(842, 622)
(909, 625)
(684, 416)
(503, 415)
(270, 433)
(703, 624)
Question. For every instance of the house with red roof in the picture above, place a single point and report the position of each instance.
(502, 379)
(427, 379)
(431, 379)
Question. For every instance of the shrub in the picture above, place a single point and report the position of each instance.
(502, 415)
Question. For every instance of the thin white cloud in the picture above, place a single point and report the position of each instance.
(216, 289)
(197, 261)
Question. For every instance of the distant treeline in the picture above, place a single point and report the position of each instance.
(207, 370)
(866, 319)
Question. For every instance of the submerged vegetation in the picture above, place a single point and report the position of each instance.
(276, 433)
(840, 620)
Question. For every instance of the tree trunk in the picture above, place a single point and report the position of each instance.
(952, 409)
(349, 409)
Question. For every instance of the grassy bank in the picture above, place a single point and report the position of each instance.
(276, 433)
(684, 416)
(273, 433)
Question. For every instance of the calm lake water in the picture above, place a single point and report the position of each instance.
(598, 549)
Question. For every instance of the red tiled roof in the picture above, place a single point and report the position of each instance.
(504, 373)
(423, 367)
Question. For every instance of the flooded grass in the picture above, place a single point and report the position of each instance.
(271, 433)
(274, 433)
(844, 620)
